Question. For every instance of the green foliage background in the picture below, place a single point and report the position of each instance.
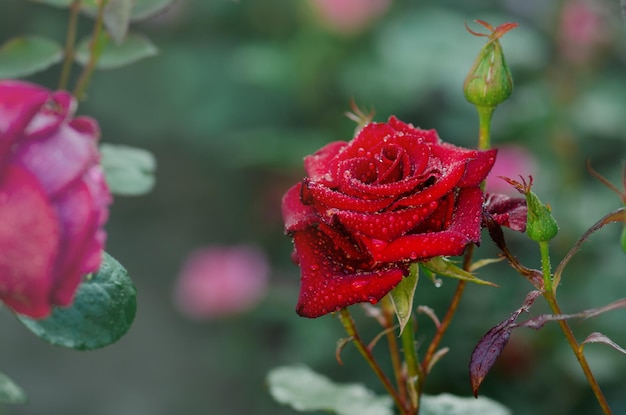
(240, 92)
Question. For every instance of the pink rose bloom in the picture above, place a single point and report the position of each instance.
(218, 281)
(584, 30)
(349, 16)
(53, 198)
(512, 162)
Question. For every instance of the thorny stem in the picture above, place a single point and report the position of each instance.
(550, 297)
(81, 84)
(396, 362)
(69, 44)
(350, 327)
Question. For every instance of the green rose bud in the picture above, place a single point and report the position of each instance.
(489, 82)
(540, 224)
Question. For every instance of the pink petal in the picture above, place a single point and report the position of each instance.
(328, 283)
(58, 159)
(29, 237)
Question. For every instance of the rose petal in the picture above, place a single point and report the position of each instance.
(329, 283)
(442, 186)
(29, 237)
(296, 215)
(508, 211)
(427, 136)
(59, 159)
(386, 225)
(320, 166)
(465, 228)
(317, 194)
(478, 168)
(20, 102)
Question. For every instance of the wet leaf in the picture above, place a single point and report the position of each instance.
(102, 312)
(402, 296)
(491, 345)
(442, 266)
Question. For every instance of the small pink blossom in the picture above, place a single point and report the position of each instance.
(349, 16)
(218, 281)
(512, 161)
(583, 30)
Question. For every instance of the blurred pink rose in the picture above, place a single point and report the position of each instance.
(218, 281)
(349, 16)
(583, 30)
(53, 198)
(512, 161)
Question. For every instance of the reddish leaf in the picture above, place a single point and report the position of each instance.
(492, 344)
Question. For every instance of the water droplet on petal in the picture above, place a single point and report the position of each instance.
(372, 300)
(359, 285)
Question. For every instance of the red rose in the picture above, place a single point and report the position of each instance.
(393, 195)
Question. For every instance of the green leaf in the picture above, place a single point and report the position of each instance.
(304, 390)
(103, 310)
(133, 48)
(117, 18)
(10, 392)
(447, 404)
(23, 56)
(148, 8)
(55, 3)
(128, 170)
(402, 296)
(442, 266)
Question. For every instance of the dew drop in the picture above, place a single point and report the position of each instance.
(438, 283)
(372, 300)
(359, 285)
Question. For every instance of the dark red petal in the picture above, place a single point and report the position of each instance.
(352, 182)
(442, 186)
(465, 228)
(478, 168)
(508, 211)
(320, 166)
(386, 225)
(29, 238)
(428, 136)
(329, 283)
(297, 215)
(316, 193)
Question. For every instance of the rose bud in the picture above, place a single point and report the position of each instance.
(368, 208)
(489, 82)
(53, 198)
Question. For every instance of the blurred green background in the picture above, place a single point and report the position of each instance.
(240, 92)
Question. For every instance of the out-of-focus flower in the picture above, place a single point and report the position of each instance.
(583, 30)
(218, 281)
(349, 16)
(512, 162)
(393, 195)
(53, 198)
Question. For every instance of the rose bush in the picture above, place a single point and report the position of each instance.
(53, 198)
(393, 195)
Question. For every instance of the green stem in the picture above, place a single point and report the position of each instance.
(70, 41)
(550, 297)
(414, 370)
(94, 53)
(484, 126)
(350, 327)
(396, 362)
